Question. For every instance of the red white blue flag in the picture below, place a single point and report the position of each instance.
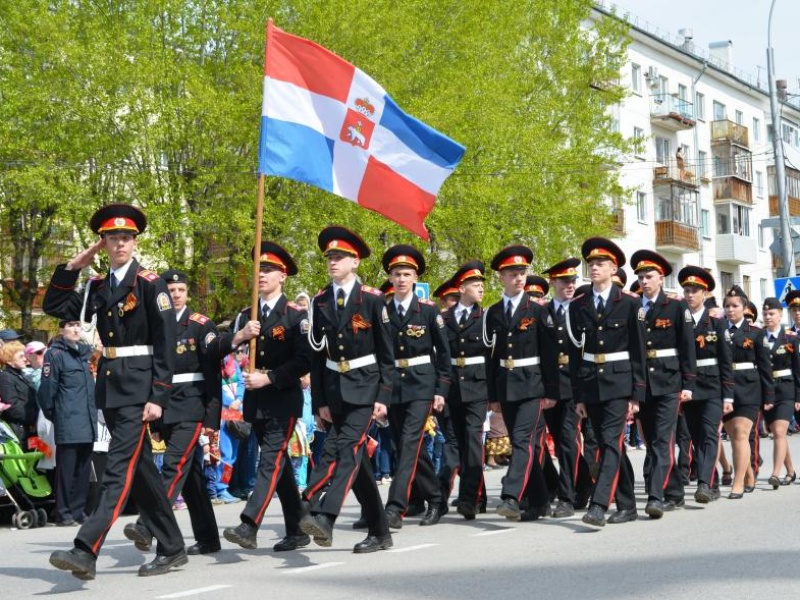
(326, 123)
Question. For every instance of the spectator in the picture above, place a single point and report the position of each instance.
(18, 392)
(383, 457)
(34, 352)
(303, 300)
(66, 397)
(232, 397)
(300, 442)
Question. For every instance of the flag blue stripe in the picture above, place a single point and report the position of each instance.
(295, 151)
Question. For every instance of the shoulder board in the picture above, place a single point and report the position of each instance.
(322, 290)
(295, 306)
(148, 275)
(427, 302)
(372, 290)
(198, 318)
(631, 294)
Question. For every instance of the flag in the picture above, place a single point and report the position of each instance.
(326, 123)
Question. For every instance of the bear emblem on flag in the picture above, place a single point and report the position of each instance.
(357, 127)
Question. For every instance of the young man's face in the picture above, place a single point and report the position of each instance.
(340, 264)
(695, 296)
(513, 280)
(403, 280)
(179, 293)
(601, 270)
(651, 282)
(563, 287)
(120, 247)
(270, 280)
(794, 311)
(471, 292)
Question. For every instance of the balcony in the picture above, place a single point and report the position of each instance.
(794, 207)
(672, 236)
(674, 174)
(728, 189)
(736, 249)
(728, 132)
(671, 112)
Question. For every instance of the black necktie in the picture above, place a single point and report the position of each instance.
(463, 320)
(771, 339)
(112, 280)
(401, 311)
(340, 301)
(265, 311)
(733, 328)
(647, 305)
(509, 311)
(560, 312)
(600, 305)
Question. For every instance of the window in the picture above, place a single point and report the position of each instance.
(756, 129)
(726, 280)
(702, 167)
(763, 288)
(682, 92)
(746, 285)
(663, 85)
(723, 221)
(636, 78)
(670, 281)
(677, 204)
(638, 137)
(663, 153)
(720, 112)
(641, 207)
(705, 226)
(739, 117)
(759, 184)
(739, 220)
(700, 106)
(761, 236)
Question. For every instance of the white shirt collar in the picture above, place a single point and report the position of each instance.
(460, 308)
(180, 314)
(604, 294)
(738, 325)
(559, 303)
(406, 304)
(699, 314)
(347, 287)
(514, 300)
(270, 303)
(121, 271)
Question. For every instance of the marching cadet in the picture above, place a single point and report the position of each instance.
(446, 294)
(351, 383)
(193, 403)
(786, 374)
(519, 375)
(752, 386)
(671, 377)
(608, 375)
(713, 393)
(536, 286)
(574, 479)
(467, 401)
(136, 324)
(388, 290)
(273, 397)
(793, 302)
(620, 279)
(422, 380)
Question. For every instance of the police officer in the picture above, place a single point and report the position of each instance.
(136, 324)
(670, 379)
(608, 375)
(351, 383)
(193, 403)
(273, 397)
(519, 374)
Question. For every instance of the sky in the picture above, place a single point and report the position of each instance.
(744, 22)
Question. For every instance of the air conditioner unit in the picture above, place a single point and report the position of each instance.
(652, 73)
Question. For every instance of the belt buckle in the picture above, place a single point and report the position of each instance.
(402, 363)
(652, 354)
(344, 366)
(599, 359)
(461, 361)
(111, 352)
(563, 359)
(509, 363)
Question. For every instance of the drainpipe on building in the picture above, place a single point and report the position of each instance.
(697, 151)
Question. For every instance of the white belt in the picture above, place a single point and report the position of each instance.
(465, 361)
(599, 359)
(519, 362)
(664, 353)
(343, 366)
(707, 362)
(126, 351)
(187, 377)
(404, 363)
(743, 366)
(781, 373)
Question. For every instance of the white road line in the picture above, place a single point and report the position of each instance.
(412, 548)
(493, 532)
(311, 568)
(196, 592)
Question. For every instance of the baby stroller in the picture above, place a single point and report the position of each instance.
(27, 490)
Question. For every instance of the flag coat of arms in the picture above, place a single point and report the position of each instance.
(326, 123)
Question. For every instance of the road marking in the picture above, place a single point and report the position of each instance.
(311, 568)
(494, 532)
(197, 592)
(412, 548)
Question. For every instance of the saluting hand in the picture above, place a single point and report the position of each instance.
(84, 259)
(151, 412)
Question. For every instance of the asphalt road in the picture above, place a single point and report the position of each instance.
(728, 549)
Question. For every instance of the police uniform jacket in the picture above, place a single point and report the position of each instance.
(137, 313)
(468, 381)
(419, 333)
(620, 328)
(282, 350)
(669, 326)
(714, 382)
(752, 387)
(785, 358)
(362, 330)
(556, 327)
(524, 337)
(196, 352)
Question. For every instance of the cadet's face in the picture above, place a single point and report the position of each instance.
(448, 301)
(270, 280)
(179, 294)
(772, 318)
(513, 280)
(340, 265)
(651, 282)
(695, 296)
(734, 309)
(120, 247)
(472, 291)
(403, 280)
(601, 270)
(795, 311)
(564, 289)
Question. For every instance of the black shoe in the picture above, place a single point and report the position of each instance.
(727, 478)
(789, 479)
(139, 535)
(563, 510)
(536, 512)
(623, 516)
(81, 563)
(467, 510)
(415, 509)
(671, 505)
(203, 548)
(319, 527)
(749, 489)
(162, 564)
(67, 523)
(509, 508)
(432, 516)
(373, 543)
(394, 519)
(703, 495)
(774, 482)
(360, 524)
(654, 508)
(715, 494)
(595, 516)
(243, 534)
(454, 502)
(581, 500)
(735, 496)
(482, 507)
(292, 542)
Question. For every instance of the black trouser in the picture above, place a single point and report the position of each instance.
(73, 469)
(466, 422)
(521, 419)
(451, 459)
(591, 449)
(183, 473)
(615, 472)
(702, 419)
(574, 478)
(537, 490)
(130, 470)
(659, 416)
(683, 438)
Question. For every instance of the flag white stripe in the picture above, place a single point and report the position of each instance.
(288, 102)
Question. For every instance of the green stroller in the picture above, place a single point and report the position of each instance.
(27, 490)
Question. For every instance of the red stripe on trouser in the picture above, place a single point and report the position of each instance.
(353, 474)
(530, 456)
(310, 492)
(542, 445)
(190, 449)
(123, 497)
(416, 457)
(671, 450)
(276, 471)
(579, 451)
(619, 466)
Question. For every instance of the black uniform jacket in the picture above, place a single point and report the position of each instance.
(363, 330)
(784, 357)
(468, 381)
(668, 325)
(620, 328)
(137, 313)
(751, 386)
(419, 333)
(714, 382)
(524, 337)
(557, 329)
